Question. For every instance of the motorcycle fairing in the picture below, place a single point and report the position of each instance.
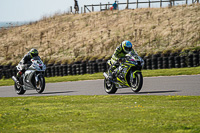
(27, 80)
(123, 81)
(126, 68)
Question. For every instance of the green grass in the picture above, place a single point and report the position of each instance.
(104, 113)
(146, 73)
(100, 114)
(172, 72)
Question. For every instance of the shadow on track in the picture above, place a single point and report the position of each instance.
(149, 92)
(62, 92)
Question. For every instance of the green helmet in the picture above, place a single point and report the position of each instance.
(33, 52)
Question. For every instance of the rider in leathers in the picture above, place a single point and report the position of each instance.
(120, 52)
(26, 61)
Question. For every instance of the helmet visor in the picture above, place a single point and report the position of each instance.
(127, 48)
(34, 54)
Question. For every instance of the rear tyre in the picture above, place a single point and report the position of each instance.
(40, 85)
(109, 87)
(19, 89)
(136, 84)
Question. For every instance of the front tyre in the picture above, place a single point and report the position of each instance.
(137, 82)
(40, 85)
(19, 89)
(109, 87)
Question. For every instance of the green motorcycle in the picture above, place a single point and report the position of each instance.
(128, 74)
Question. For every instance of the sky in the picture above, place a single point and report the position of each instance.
(33, 10)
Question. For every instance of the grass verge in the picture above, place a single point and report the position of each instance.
(100, 114)
(146, 73)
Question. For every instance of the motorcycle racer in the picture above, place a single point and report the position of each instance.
(120, 52)
(25, 61)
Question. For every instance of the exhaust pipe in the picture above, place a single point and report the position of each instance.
(15, 79)
(105, 75)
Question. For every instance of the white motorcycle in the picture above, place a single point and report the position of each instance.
(32, 79)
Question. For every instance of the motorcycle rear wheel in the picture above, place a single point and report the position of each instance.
(109, 87)
(19, 89)
(40, 85)
(137, 83)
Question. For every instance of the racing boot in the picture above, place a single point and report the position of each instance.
(19, 74)
(111, 71)
(110, 74)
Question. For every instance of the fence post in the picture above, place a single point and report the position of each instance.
(170, 3)
(100, 7)
(118, 5)
(92, 8)
(186, 2)
(81, 10)
(137, 4)
(84, 9)
(70, 9)
(127, 4)
(149, 4)
(160, 3)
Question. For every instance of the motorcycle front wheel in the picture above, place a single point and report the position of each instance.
(19, 89)
(40, 85)
(136, 84)
(109, 87)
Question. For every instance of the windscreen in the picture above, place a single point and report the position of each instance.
(36, 58)
(132, 53)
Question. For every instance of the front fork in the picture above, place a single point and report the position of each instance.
(36, 78)
(132, 76)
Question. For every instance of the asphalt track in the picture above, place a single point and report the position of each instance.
(172, 85)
